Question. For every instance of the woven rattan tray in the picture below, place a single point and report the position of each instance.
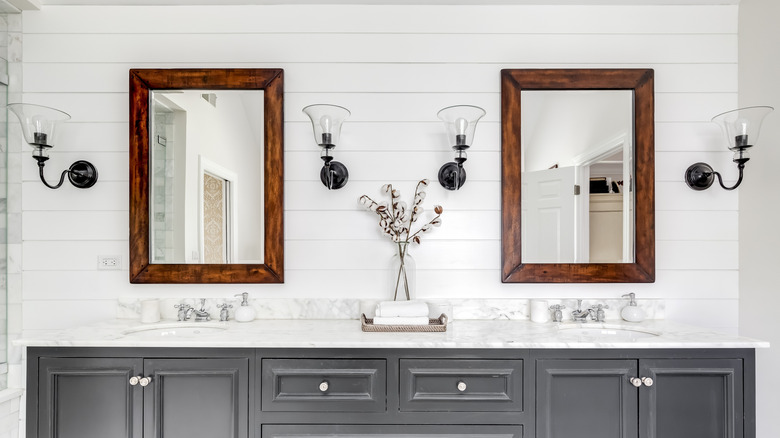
(434, 325)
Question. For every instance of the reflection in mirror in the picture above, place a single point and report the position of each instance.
(577, 149)
(206, 176)
(569, 131)
(206, 182)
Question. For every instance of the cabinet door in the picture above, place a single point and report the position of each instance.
(197, 398)
(88, 398)
(692, 398)
(586, 398)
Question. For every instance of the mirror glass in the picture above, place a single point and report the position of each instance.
(577, 166)
(206, 175)
(577, 176)
(206, 179)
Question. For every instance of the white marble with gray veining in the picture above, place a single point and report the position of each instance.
(345, 333)
(310, 308)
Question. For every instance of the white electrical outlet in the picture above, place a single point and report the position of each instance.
(109, 262)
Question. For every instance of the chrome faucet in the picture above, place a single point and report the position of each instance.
(580, 315)
(185, 311)
(223, 314)
(597, 312)
(201, 314)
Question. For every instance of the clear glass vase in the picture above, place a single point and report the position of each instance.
(403, 273)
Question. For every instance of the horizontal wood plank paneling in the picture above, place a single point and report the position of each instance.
(399, 48)
(357, 77)
(696, 225)
(104, 196)
(698, 255)
(394, 67)
(389, 19)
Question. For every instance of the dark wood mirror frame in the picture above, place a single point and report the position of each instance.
(271, 81)
(640, 81)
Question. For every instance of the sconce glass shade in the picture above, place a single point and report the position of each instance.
(461, 122)
(39, 125)
(741, 127)
(326, 121)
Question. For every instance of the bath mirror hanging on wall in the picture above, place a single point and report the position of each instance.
(577, 176)
(206, 176)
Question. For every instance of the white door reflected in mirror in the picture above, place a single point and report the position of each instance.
(205, 145)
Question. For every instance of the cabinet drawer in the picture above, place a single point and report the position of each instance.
(390, 431)
(322, 385)
(461, 385)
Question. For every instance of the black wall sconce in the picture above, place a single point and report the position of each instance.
(326, 121)
(741, 127)
(461, 122)
(38, 127)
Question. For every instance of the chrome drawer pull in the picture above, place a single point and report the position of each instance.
(461, 386)
(636, 381)
(324, 386)
(647, 381)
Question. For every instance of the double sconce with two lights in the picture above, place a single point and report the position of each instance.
(741, 127)
(39, 125)
(460, 121)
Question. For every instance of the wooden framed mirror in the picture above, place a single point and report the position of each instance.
(206, 176)
(577, 171)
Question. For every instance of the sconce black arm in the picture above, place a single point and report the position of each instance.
(82, 174)
(700, 176)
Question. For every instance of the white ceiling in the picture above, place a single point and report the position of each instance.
(36, 4)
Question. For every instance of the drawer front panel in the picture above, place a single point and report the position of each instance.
(461, 385)
(390, 431)
(324, 385)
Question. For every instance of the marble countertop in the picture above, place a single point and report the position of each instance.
(300, 333)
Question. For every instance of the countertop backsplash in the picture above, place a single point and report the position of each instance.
(318, 308)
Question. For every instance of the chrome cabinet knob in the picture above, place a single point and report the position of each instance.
(144, 381)
(636, 381)
(324, 386)
(461, 386)
(134, 380)
(647, 381)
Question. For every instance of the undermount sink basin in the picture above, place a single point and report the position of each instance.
(607, 333)
(174, 330)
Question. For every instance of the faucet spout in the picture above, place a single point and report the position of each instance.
(201, 314)
(580, 315)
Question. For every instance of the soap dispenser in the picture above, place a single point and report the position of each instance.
(245, 312)
(631, 312)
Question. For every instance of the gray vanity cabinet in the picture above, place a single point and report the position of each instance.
(78, 392)
(675, 398)
(138, 397)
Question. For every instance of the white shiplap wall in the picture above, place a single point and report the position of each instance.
(394, 67)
